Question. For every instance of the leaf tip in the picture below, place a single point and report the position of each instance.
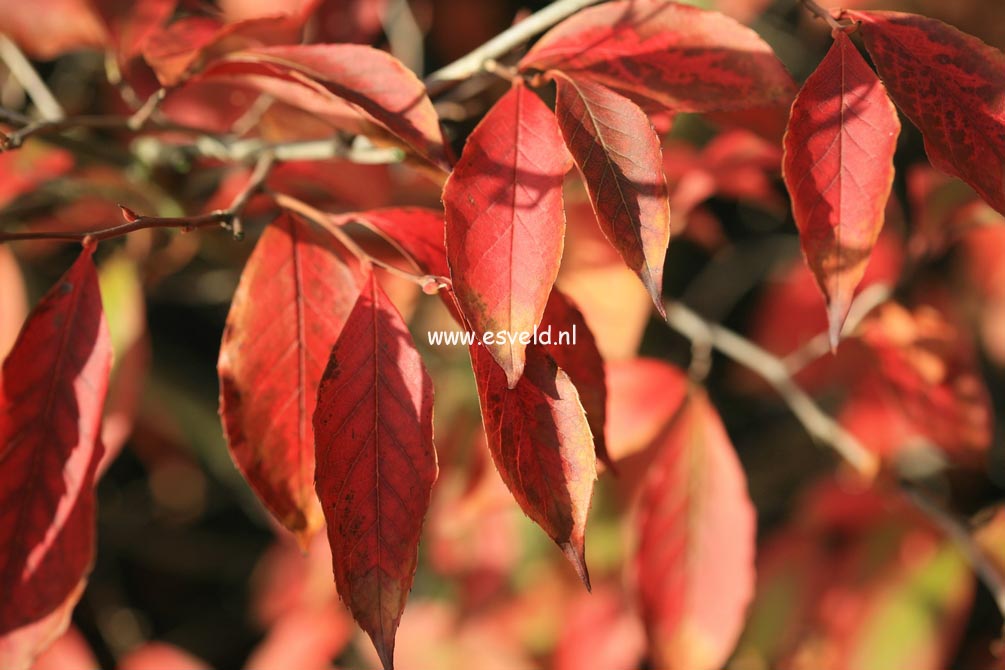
(837, 312)
(577, 556)
(385, 650)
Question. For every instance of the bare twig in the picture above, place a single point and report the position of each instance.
(503, 43)
(142, 116)
(820, 344)
(404, 35)
(21, 68)
(818, 424)
(227, 218)
(823, 13)
(959, 533)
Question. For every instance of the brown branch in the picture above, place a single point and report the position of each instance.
(229, 218)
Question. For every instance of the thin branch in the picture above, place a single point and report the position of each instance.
(404, 35)
(142, 116)
(227, 218)
(818, 424)
(959, 533)
(503, 43)
(21, 68)
(823, 13)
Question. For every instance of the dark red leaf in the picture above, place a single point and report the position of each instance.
(666, 54)
(505, 223)
(618, 153)
(292, 302)
(54, 384)
(335, 74)
(950, 85)
(541, 443)
(581, 360)
(838, 167)
(695, 560)
(375, 462)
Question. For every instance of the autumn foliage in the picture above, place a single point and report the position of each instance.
(641, 174)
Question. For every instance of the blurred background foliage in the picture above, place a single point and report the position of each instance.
(187, 556)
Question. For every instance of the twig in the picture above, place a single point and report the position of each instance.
(958, 532)
(227, 218)
(21, 68)
(221, 147)
(822, 13)
(820, 344)
(503, 43)
(817, 423)
(142, 116)
(404, 35)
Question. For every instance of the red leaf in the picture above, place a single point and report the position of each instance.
(376, 462)
(838, 167)
(580, 359)
(13, 301)
(160, 656)
(187, 45)
(599, 632)
(370, 80)
(69, 652)
(505, 222)
(292, 302)
(54, 384)
(673, 55)
(618, 153)
(20, 648)
(950, 85)
(52, 27)
(540, 440)
(416, 232)
(133, 23)
(923, 382)
(308, 638)
(695, 558)
(645, 394)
